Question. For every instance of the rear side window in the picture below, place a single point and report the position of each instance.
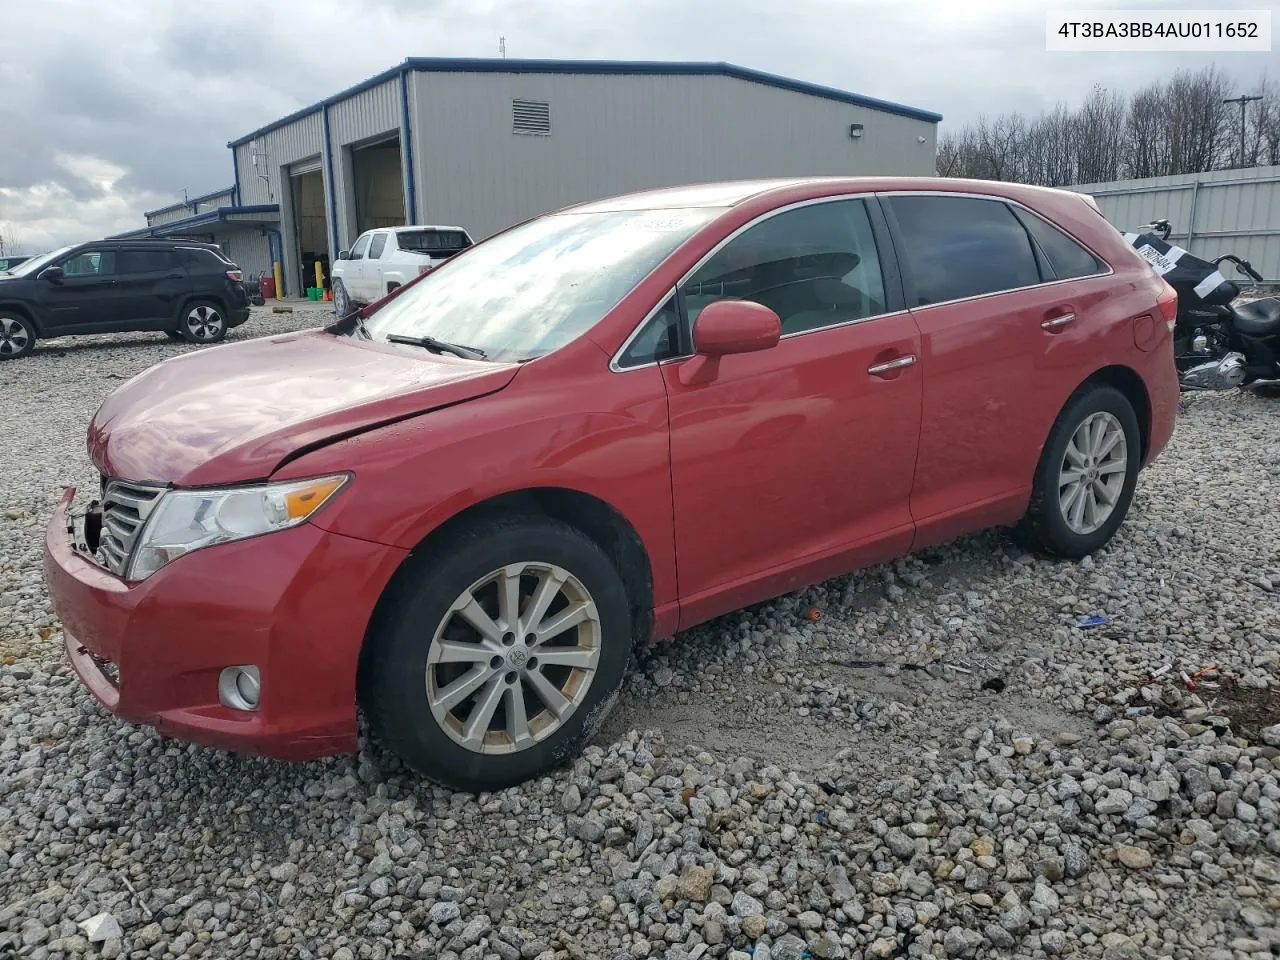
(375, 248)
(1064, 258)
(201, 259)
(143, 261)
(957, 247)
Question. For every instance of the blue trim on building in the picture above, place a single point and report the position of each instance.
(406, 150)
(220, 215)
(235, 172)
(332, 186)
(599, 68)
(193, 201)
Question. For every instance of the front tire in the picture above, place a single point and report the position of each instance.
(1087, 473)
(203, 322)
(17, 336)
(341, 300)
(496, 654)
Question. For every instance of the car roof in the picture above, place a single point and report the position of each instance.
(418, 226)
(731, 193)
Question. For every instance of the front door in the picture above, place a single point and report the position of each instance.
(86, 299)
(794, 464)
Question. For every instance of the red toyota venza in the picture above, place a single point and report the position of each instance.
(463, 507)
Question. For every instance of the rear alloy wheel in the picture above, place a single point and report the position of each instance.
(495, 657)
(17, 337)
(1087, 473)
(202, 322)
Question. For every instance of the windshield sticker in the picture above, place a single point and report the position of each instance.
(668, 221)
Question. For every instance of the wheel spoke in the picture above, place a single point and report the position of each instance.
(1119, 465)
(570, 616)
(582, 657)
(1077, 507)
(467, 684)
(1109, 442)
(548, 587)
(474, 614)
(1074, 454)
(1097, 431)
(1090, 516)
(1107, 495)
(517, 715)
(1069, 501)
(556, 701)
(482, 713)
(452, 651)
(509, 597)
(1069, 477)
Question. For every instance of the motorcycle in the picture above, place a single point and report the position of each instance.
(1218, 344)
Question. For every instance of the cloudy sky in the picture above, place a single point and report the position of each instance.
(110, 109)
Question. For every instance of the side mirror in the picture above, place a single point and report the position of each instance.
(52, 274)
(735, 326)
(344, 254)
(725, 327)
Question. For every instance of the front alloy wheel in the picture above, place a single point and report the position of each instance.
(16, 337)
(513, 658)
(497, 651)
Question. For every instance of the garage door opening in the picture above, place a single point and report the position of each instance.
(310, 227)
(379, 185)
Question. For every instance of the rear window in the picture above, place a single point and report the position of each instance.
(433, 241)
(203, 258)
(1067, 260)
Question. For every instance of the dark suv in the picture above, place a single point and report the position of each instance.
(188, 290)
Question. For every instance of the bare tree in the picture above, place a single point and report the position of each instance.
(1263, 135)
(1099, 136)
(1197, 121)
(10, 240)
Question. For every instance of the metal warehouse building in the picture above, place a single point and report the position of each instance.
(484, 144)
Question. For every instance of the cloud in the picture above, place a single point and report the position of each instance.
(151, 92)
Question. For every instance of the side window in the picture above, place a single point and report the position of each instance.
(658, 340)
(375, 248)
(91, 263)
(357, 252)
(143, 261)
(814, 266)
(1066, 259)
(956, 247)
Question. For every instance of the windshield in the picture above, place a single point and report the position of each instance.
(531, 290)
(35, 263)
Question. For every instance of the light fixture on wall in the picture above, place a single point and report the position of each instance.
(855, 131)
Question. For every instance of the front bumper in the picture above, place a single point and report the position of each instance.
(296, 603)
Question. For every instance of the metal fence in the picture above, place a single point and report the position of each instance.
(1225, 211)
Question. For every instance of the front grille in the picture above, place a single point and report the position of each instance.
(125, 507)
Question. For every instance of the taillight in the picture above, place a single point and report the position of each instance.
(1168, 305)
(235, 276)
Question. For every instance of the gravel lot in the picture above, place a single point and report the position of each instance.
(1005, 784)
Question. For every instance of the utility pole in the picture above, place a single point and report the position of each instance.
(1243, 100)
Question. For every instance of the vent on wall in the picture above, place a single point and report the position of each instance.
(531, 116)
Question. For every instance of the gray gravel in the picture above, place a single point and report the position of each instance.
(1007, 784)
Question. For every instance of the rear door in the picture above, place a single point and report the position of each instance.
(152, 284)
(86, 298)
(994, 321)
(371, 272)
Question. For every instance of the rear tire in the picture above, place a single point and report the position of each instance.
(17, 336)
(341, 300)
(203, 322)
(483, 707)
(1087, 474)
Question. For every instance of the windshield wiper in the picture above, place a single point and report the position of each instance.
(439, 346)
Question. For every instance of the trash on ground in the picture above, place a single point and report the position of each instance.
(1088, 623)
(995, 684)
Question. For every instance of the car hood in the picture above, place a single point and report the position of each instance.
(234, 413)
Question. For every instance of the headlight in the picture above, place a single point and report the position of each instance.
(186, 520)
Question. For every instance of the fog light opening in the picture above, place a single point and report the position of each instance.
(240, 687)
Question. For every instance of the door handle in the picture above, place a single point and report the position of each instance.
(879, 369)
(1057, 323)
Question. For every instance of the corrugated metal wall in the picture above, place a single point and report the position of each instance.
(372, 113)
(1224, 211)
(250, 250)
(615, 134)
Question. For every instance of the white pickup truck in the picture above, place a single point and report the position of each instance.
(383, 259)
